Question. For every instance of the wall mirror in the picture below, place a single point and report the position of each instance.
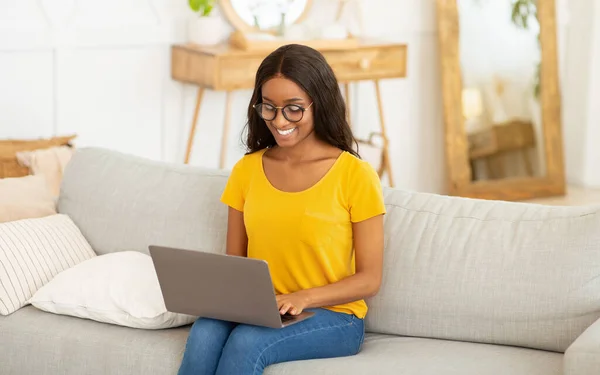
(264, 15)
(501, 98)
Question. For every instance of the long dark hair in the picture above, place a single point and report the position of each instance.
(308, 69)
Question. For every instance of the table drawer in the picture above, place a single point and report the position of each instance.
(368, 63)
(193, 67)
(237, 72)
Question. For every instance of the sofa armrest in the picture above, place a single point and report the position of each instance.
(583, 356)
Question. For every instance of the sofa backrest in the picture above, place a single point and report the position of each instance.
(122, 202)
(485, 271)
(455, 268)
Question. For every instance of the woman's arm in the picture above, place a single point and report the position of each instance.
(368, 247)
(237, 239)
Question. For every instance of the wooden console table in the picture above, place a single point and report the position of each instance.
(225, 68)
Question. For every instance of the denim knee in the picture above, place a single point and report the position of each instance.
(205, 328)
(204, 346)
(243, 353)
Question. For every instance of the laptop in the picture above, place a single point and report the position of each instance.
(218, 286)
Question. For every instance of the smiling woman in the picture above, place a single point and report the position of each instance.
(297, 75)
(302, 200)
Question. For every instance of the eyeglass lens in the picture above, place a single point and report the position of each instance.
(291, 112)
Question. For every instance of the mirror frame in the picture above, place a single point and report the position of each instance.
(240, 25)
(459, 172)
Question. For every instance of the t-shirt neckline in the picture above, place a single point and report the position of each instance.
(308, 189)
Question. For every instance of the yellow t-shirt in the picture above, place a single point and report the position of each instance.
(306, 237)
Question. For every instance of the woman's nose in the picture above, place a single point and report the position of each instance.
(279, 121)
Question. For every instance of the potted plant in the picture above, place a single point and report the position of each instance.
(206, 29)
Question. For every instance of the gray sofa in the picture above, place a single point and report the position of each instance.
(470, 287)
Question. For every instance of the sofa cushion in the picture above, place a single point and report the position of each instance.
(484, 271)
(36, 342)
(122, 202)
(73, 346)
(392, 355)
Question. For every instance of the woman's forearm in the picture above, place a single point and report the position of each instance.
(350, 289)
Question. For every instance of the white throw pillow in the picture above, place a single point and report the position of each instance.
(33, 252)
(118, 288)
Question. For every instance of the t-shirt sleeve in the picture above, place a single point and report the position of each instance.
(365, 193)
(234, 194)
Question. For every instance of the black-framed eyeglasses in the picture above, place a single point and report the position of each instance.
(291, 112)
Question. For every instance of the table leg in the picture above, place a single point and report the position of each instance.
(347, 95)
(386, 154)
(192, 134)
(225, 136)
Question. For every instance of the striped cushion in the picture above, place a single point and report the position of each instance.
(32, 252)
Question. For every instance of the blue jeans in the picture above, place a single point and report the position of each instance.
(224, 348)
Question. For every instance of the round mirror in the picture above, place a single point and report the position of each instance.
(262, 15)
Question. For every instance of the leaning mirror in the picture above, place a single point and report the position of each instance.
(263, 15)
(501, 98)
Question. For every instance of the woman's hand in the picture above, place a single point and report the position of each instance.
(293, 303)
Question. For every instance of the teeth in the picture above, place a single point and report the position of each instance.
(286, 132)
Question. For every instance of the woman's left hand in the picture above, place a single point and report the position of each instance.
(293, 303)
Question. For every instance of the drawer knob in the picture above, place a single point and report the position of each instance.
(364, 63)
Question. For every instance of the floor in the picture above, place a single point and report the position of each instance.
(575, 197)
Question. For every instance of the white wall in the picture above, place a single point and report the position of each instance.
(592, 167)
(576, 90)
(583, 161)
(101, 69)
(96, 69)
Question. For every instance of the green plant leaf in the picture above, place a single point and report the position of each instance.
(207, 10)
(195, 4)
(521, 11)
(537, 81)
(203, 7)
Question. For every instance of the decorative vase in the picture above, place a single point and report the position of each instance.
(206, 31)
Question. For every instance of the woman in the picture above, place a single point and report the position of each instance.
(302, 200)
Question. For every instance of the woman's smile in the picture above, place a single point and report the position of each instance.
(285, 132)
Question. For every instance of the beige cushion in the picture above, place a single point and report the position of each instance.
(32, 252)
(48, 162)
(24, 198)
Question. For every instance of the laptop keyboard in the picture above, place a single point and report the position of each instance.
(286, 318)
